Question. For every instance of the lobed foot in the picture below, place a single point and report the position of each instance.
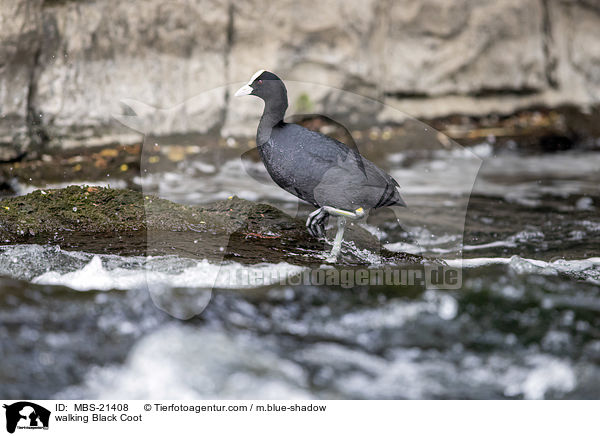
(316, 226)
(316, 223)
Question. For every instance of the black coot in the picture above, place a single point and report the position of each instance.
(314, 167)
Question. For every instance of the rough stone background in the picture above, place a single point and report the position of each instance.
(67, 65)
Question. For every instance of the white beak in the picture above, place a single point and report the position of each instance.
(244, 90)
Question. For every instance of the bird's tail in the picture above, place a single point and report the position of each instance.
(391, 197)
(399, 201)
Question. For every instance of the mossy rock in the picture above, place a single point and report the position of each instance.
(120, 221)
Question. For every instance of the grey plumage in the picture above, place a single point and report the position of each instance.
(325, 172)
(314, 167)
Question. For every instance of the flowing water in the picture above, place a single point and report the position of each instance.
(524, 324)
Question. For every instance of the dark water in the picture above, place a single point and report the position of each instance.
(525, 323)
(504, 335)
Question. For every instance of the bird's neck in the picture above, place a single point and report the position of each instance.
(272, 115)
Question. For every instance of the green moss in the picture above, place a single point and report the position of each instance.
(95, 209)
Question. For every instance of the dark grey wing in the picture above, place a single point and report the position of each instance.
(377, 177)
(374, 177)
(332, 174)
(335, 130)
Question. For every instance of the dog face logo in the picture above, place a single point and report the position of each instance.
(26, 415)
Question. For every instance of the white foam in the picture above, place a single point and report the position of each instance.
(375, 231)
(442, 244)
(203, 274)
(85, 271)
(590, 225)
(475, 262)
(506, 243)
(561, 263)
(187, 363)
(544, 375)
(587, 268)
(199, 361)
(403, 247)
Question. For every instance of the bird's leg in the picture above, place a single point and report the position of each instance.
(316, 223)
(337, 242)
(339, 236)
(356, 215)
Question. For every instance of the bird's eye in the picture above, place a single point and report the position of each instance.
(259, 81)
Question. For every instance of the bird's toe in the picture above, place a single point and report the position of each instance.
(316, 223)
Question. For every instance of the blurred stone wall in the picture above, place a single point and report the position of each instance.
(66, 65)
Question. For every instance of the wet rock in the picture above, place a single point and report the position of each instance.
(106, 220)
(73, 62)
(20, 42)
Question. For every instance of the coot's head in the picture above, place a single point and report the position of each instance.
(265, 85)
